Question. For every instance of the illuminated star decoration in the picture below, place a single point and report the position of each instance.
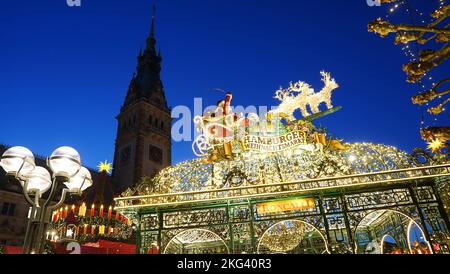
(105, 166)
(435, 145)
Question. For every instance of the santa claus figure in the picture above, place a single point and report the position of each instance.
(227, 112)
(228, 122)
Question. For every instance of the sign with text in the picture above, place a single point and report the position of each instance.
(275, 143)
(288, 205)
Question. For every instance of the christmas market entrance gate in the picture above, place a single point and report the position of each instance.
(328, 210)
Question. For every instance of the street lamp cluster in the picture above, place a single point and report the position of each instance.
(65, 164)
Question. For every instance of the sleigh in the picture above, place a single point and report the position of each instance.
(216, 131)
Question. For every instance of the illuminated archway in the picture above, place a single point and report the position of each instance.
(384, 242)
(420, 239)
(196, 241)
(292, 236)
(400, 222)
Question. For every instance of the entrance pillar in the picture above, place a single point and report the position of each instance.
(325, 220)
(347, 224)
(252, 228)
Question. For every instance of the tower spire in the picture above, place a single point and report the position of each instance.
(153, 21)
(151, 41)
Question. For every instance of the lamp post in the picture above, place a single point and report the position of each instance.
(18, 162)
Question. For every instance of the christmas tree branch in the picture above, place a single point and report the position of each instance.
(384, 28)
(439, 108)
(416, 70)
(430, 94)
(432, 133)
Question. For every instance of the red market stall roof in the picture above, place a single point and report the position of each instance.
(8, 249)
(100, 247)
(112, 247)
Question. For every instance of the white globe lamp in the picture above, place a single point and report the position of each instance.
(64, 161)
(80, 181)
(38, 180)
(17, 161)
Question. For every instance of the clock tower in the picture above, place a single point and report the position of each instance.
(143, 142)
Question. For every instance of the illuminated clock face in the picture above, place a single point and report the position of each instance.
(155, 154)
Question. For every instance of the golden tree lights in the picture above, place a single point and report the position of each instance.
(435, 35)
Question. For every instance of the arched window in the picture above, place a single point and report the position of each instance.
(162, 125)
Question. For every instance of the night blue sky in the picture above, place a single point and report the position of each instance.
(65, 71)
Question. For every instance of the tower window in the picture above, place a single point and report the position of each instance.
(8, 209)
(154, 172)
(162, 125)
(155, 154)
(125, 155)
(156, 122)
(150, 120)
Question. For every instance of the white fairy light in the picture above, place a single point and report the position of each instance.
(352, 158)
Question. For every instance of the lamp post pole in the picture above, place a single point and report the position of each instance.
(44, 218)
(18, 162)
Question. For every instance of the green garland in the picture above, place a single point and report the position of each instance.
(122, 231)
(48, 249)
(2, 249)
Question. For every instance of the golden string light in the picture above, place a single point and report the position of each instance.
(407, 48)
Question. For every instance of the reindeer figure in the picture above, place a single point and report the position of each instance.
(291, 102)
(300, 94)
(324, 95)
